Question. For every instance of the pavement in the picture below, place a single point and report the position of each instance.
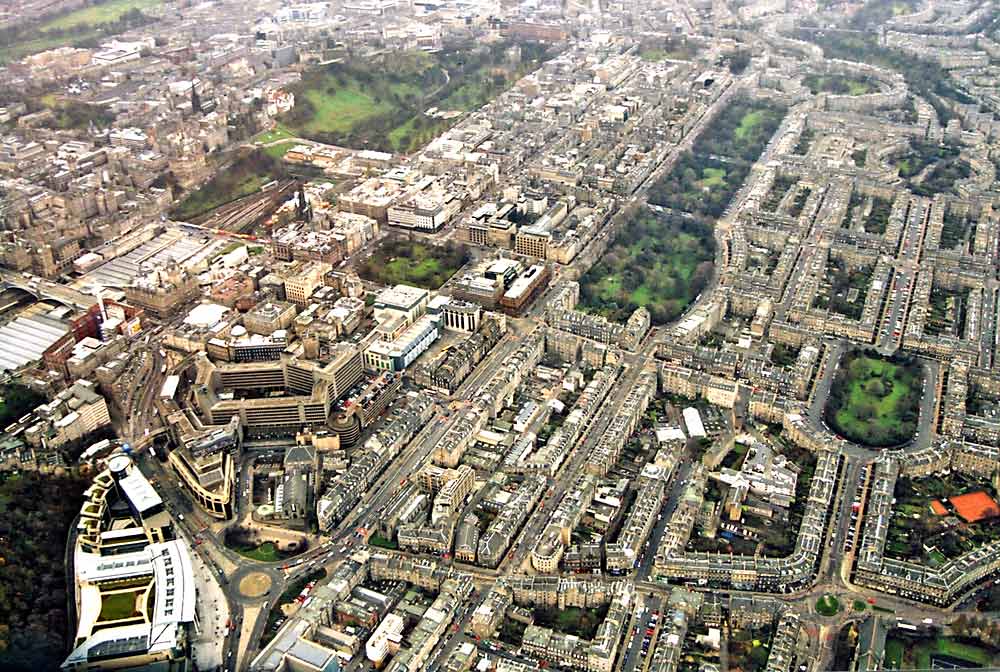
(208, 647)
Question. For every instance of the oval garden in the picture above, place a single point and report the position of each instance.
(875, 401)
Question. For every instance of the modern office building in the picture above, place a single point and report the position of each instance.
(125, 551)
(276, 397)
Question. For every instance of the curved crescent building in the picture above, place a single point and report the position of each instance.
(135, 588)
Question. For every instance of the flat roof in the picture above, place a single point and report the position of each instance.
(169, 388)
(139, 491)
(206, 315)
(692, 420)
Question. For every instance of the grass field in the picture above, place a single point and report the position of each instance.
(653, 55)
(572, 620)
(80, 25)
(748, 123)
(341, 111)
(266, 552)
(401, 261)
(838, 85)
(279, 132)
(381, 103)
(382, 542)
(279, 150)
(712, 177)
(827, 605)
(675, 49)
(874, 401)
(903, 652)
(118, 605)
(105, 12)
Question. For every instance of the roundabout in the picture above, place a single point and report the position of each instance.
(254, 583)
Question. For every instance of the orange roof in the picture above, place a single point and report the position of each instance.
(975, 506)
(938, 508)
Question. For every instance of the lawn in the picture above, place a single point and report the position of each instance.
(382, 542)
(712, 177)
(380, 103)
(84, 24)
(343, 110)
(572, 620)
(838, 85)
(967, 652)
(748, 123)
(827, 605)
(903, 651)
(279, 150)
(279, 132)
(659, 261)
(105, 12)
(401, 261)
(118, 605)
(266, 552)
(875, 401)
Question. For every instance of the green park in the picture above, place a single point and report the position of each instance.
(704, 180)
(827, 605)
(663, 256)
(841, 85)
(84, 26)
(932, 169)
(265, 552)
(875, 401)
(908, 652)
(400, 260)
(382, 103)
(673, 48)
(660, 261)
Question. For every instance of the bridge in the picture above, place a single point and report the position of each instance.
(41, 288)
